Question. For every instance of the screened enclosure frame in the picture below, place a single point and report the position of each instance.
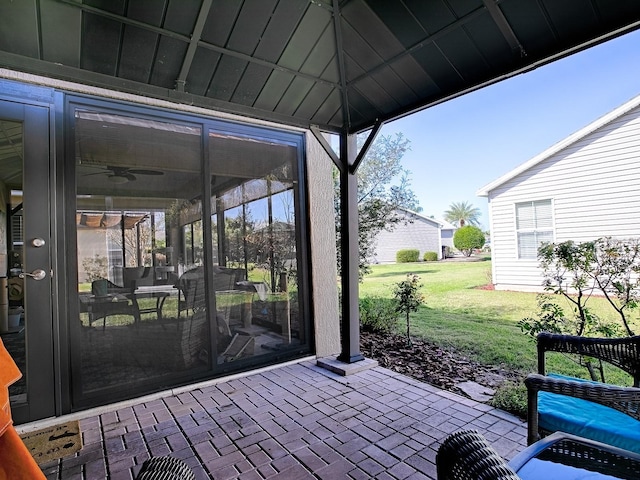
(213, 247)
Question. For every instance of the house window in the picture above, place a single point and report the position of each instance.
(534, 225)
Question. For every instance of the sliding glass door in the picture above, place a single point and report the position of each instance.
(255, 189)
(140, 321)
(170, 287)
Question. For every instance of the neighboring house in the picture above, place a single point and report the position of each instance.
(582, 188)
(446, 235)
(414, 231)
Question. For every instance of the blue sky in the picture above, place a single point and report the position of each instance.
(465, 143)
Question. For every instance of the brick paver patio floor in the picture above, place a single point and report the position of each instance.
(296, 422)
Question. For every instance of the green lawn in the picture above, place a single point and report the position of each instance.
(459, 314)
(456, 313)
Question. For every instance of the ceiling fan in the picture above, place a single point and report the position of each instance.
(124, 174)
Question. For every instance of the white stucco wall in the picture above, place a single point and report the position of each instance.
(323, 249)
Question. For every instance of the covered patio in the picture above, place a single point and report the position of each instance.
(339, 67)
(295, 421)
(315, 68)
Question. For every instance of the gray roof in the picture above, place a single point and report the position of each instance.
(338, 64)
(442, 224)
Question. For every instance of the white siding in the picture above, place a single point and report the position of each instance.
(422, 234)
(446, 236)
(594, 185)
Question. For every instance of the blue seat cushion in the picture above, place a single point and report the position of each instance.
(587, 419)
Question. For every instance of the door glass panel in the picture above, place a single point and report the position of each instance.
(141, 282)
(254, 187)
(12, 319)
(165, 295)
(26, 303)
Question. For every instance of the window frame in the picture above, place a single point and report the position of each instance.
(536, 230)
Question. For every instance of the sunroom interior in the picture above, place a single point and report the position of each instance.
(141, 247)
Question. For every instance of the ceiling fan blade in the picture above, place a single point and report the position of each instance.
(138, 171)
(121, 178)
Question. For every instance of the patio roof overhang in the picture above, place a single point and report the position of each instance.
(342, 65)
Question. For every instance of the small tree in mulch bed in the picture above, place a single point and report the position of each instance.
(409, 298)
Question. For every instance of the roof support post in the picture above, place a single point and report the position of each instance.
(350, 325)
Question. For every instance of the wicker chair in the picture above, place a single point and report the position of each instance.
(621, 352)
(466, 455)
(102, 304)
(165, 468)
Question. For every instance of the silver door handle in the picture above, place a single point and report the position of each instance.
(38, 274)
(38, 242)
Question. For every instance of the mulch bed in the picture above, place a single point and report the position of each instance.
(443, 368)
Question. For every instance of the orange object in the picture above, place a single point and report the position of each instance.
(16, 463)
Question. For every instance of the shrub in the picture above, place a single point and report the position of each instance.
(409, 298)
(430, 256)
(378, 314)
(95, 267)
(467, 239)
(511, 397)
(408, 255)
(575, 271)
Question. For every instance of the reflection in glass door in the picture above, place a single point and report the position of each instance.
(142, 312)
(172, 288)
(11, 241)
(25, 265)
(255, 231)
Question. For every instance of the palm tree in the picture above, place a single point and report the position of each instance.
(462, 213)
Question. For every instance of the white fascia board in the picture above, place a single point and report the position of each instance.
(592, 127)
